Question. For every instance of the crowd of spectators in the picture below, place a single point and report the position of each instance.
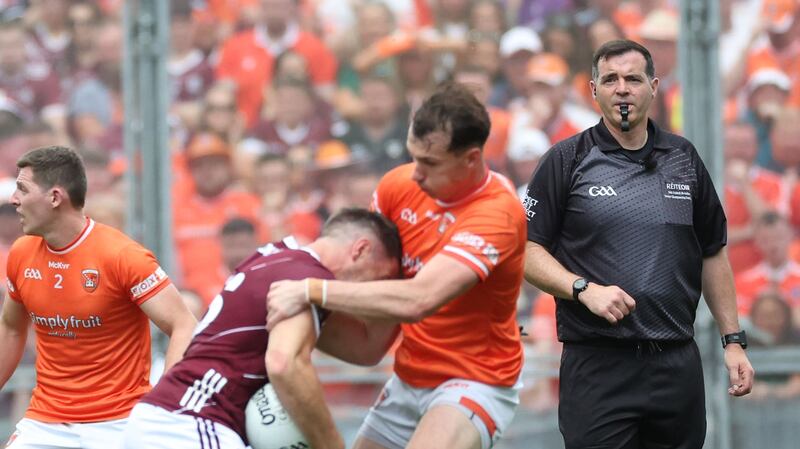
(284, 111)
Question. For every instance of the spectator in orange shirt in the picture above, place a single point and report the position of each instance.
(778, 272)
(201, 209)
(749, 192)
(238, 240)
(278, 182)
(478, 79)
(782, 49)
(248, 58)
(547, 107)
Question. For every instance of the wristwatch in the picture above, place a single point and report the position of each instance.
(578, 286)
(736, 337)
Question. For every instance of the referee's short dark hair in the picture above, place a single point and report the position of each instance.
(57, 166)
(381, 227)
(453, 109)
(619, 47)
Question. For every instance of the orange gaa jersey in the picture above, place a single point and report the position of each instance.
(474, 336)
(92, 339)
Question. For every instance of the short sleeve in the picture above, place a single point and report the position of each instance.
(484, 240)
(710, 223)
(140, 274)
(546, 197)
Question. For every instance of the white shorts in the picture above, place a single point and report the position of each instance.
(392, 420)
(33, 434)
(151, 427)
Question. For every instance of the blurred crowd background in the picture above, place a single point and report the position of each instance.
(284, 111)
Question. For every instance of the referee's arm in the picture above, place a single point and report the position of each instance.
(549, 275)
(720, 295)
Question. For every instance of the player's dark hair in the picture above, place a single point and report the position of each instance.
(380, 226)
(57, 166)
(453, 109)
(619, 47)
(238, 226)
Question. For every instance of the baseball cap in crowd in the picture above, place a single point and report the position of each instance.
(333, 154)
(527, 144)
(768, 76)
(779, 15)
(548, 68)
(207, 144)
(660, 25)
(519, 39)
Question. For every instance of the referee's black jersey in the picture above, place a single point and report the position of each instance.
(642, 220)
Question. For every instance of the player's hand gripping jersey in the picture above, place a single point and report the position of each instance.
(92, 339)
(474, 336)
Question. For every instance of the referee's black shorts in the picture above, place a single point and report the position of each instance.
(632, 395)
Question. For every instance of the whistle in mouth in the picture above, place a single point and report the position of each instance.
(625, 125)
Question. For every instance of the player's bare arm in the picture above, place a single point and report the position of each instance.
(720, 295)
(361, 342)
(170, 314)
(409, 300)
(288, 362)
(546, 273)
(13, 333)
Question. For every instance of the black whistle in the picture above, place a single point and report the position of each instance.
(625, 125)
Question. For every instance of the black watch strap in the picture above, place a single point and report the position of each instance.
(579, 286)
(736, 337)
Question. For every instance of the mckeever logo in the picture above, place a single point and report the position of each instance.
(58, 265)
(602, 191)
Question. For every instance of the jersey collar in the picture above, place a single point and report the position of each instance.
(78, 240)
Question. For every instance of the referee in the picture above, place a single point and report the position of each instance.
(626, 230)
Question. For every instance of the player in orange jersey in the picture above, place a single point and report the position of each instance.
(88, 291)
(463, 232)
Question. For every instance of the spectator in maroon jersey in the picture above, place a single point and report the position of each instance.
(296, 121)
(189, 72)
(31, 84)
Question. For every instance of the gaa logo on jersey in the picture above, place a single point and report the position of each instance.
(91, 279)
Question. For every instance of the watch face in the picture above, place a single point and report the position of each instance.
(580, 284)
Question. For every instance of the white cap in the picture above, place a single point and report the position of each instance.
(518, 39)
(527, 144)
(660, 25)
(769, 76)
(9, 105)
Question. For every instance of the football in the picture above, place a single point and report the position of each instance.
(268, 424)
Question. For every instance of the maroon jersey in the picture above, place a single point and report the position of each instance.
(190, 77)
(33, 90)
(224, 364)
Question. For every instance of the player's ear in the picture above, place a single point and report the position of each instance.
(360, 248)
(474, 156)
(57, 196)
